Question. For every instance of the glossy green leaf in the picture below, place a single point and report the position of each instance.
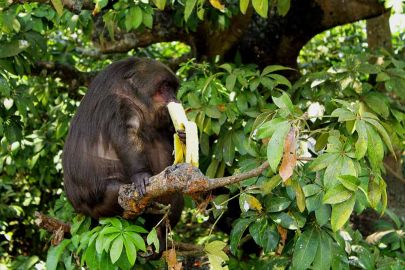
(349, 181)
(55, 253)
(134, 18)
(284, 102)
(160, 4)
(237, 231)
(284, 220)
(116, 249)
(243, 5)
(130, 250)
(343, 115)
(362, 141)
(57, 4)
(265, 235)
(261, 7)
(311, 189)
(273, 68)
(276, 145)
(277, 204)
(152, 238)
(322, 214)
(341, 213)
(323, 256)
(13, 48)
(188, 9)
(283, 6)
(383, 133)
(270, 184)
(337, 194)
(267, 129)
(323, 161)
(375, 150)
(305, 249)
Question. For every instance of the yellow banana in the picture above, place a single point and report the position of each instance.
(180, 122)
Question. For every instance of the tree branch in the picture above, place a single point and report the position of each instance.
(182, 178)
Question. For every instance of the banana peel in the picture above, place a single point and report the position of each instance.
(187, 152)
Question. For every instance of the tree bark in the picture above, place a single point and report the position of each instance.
(379, 32)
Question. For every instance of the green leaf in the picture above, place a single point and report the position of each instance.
(116, 249)
(361, 144)
(57, 4)
(382, 132)
(377, 102)
(337, 194)
(137, 240)
(322, 161)
(270, 184)
(188, 9)
(55, 253)
(13, 48)
(147, 20)
(237, 232)
(261, 7)
(160, 4)
(284, 102)
(243, 5)
(349, 181)
(343, 114)
(284, 220)
(305, 249)
(341, 213)
(230, 82)
(135, 228)
(311, 189)
(134, 18)
(374, 192)
(273, 68)
(322, 214)
(265, 235)
(276, 145)
(323, 256)
(213, 112)
(267, 129)
(152, 238)
(277, 204)
(216, 248)
(130, 251)
(283, 6)
(281, 80)
(375, 150)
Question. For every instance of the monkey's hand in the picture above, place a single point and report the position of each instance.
(182, 135)
(141, 181)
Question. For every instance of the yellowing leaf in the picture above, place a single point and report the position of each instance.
(299, 195)
(216, 255)
(58, 5)
(247, 202)
(217, 4)
(289, 157)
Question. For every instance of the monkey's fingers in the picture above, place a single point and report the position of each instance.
(182, 135)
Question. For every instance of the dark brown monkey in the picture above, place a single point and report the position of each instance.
(121, 133)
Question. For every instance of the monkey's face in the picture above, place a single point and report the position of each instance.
(165, 93)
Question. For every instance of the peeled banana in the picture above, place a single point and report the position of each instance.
(189, 152)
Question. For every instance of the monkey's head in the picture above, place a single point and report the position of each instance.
(153, 82)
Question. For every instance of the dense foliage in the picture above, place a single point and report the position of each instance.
(324, 136)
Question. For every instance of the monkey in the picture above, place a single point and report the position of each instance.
(121, 134)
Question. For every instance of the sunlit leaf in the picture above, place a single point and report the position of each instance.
(337, 194)
(283, 6)
(243, 5)
(261, 7)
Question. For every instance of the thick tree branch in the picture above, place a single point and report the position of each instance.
(182, 178)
